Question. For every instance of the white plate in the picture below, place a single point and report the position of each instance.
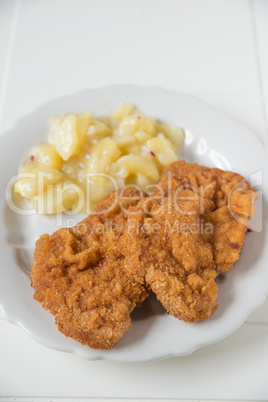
(213, 139)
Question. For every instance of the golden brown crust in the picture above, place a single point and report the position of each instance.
(221, 187)
(164, 242)
(233, 200)
(174, 242)
(78, 275)
(201, 216)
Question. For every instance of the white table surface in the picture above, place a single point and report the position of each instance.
(213, 49)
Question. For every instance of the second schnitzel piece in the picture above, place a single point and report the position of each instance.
(78, 275)
(233, 200)
(192, 226)
(163, 249)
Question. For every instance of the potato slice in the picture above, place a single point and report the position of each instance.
(103, 154)
(175, 134)
(62, 197)
(34, 178)
(123, 110)
(98, 129)
(134, 165)
(162, 149)
(69, 133)
(129, 125)
(47, 155)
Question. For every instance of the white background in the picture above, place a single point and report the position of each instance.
(216, 50)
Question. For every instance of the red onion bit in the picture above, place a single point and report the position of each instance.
(147, 149)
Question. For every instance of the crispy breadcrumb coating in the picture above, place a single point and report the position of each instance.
(197, 220)
(169, 254)
(233, 200)
(77, 274)
(173, 242)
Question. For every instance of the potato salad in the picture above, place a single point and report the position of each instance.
(85, 158)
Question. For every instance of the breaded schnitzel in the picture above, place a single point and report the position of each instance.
(192, 226)
(78, 275)
(174, 242)
(233, 200)
(164, 249)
